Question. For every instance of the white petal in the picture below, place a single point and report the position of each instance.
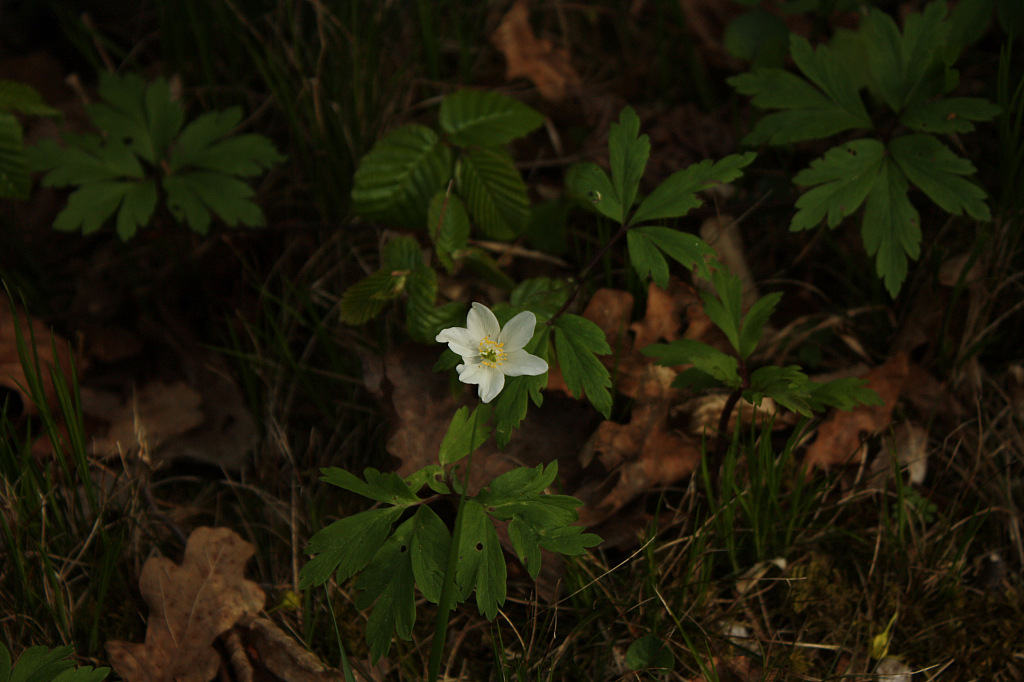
(460, 340)
(490, 380)
(481, 322)
(520, 363)
(518, 331)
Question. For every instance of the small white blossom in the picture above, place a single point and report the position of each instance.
(490, 353)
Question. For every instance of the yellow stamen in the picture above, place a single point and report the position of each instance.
(492, 354)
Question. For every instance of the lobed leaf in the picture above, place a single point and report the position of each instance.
(628, 155)
(24, 99)
(479, 118)
(193, 195)
(844, 175)
(646, 257)
(364, 300)
(754, 321)
(387, 583)
(481, 564)
(710, 361)
(198, 135)
(931, 166)
(591, 184)
(88, 161)
(90, 206)
(677, 195)
(692, 252)
(466, 433)
(577, 339)
(951, 115)
(387, 487)
(428, 551)
(829, 73)
(891, 228)
(346, 546)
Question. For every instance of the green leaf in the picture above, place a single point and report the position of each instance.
(844, 394)
(891, 228)
(40, 664)
(627, 157)
(478, 118)
(725, 310)
(423, 321)
(931, 166)
(122, 112)
(787, 386)
(428, 476)
(88, 161)
(401, 255)
(91, 205)
(364, 300)
(577, 339)
(518, 483)
(164, 117)
(24, 99)
(429, 552)
(194, 142)
(844, 175)
(448, 226)
(591, 184)
(830, 74)
(511, 405)
(346, 546)
(465, 433)
(481, 561)
(952, 115)
(703, 357)
(136, 208)
(399, 175)
(494, 192)
(542, 295)
(677, 195)
(387, 583)
(646, 257)
(690, 251)
(387, 487)
(242, 155)
(14, 179)
(900, 63)
(697, 381)
(649, 652)
(193, 195)
(757, 36)
(526, 544)
(754, 321)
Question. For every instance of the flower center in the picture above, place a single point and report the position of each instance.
(492, 354)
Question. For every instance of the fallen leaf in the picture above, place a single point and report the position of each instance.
(190, 606)
(840, 436)
(537, 59)
(156, 413)
(51, 351)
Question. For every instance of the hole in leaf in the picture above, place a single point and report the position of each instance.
(402, 549)
(479, 546)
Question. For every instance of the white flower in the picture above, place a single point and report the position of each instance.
(490, 353)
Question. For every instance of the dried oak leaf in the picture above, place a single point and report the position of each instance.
(537, 59)
(41, 343)
(840, 436)
(190, 606)
(155, 413)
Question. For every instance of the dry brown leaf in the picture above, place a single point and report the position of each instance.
(644, 454)
(840, 436)
(50, 349)
(537, 59)
(157, 412)
(190, 606)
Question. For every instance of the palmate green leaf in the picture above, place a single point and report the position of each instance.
(387, 487)
(937, 171)
(89, 160)
(591, 184)
(891, 228)
(448, 226)
(541, 295)
(387, 583)
(754, 321)
(427, 476)
(399, 175)
(483, 119)
(143, 117)
(577, 339)
(494, 191)
(899, 63)
(828, 72)
(14, 179)
(193, 195)
(242, 155)
(526, 544)
(481, 564)
(195, 140)
(844, 176)
(843, 394)
(710, 361)
(787, 386)
(346, 546)
(90, 206)
(365, 299)
(687, 249)
(519, 483)
(677, 195)
(951, 115)
(649, 652)
(429, 552)
(466, 433)
(726, 308)
(627, 157)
